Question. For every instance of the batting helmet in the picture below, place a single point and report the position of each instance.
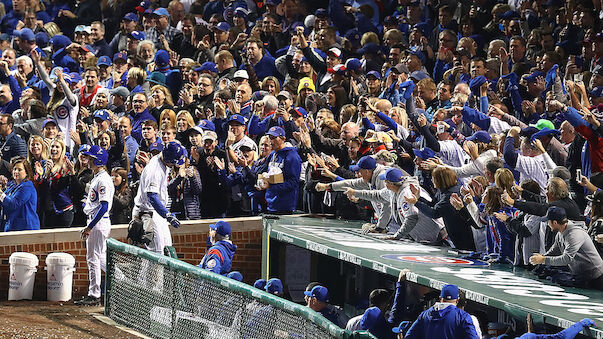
(174, 153)
(98, 153)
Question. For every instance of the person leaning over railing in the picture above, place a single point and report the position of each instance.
(18, 200)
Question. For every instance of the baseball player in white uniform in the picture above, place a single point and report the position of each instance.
(152, 196)
(97, 207)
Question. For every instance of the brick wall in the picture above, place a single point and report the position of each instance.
(189, 241)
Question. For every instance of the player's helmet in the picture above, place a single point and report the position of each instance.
(174, 153)
(99, 154)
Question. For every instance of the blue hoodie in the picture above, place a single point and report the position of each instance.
(283, 197)
(218, 258)
(445, 321)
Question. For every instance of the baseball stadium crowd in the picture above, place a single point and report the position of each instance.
(471, 124)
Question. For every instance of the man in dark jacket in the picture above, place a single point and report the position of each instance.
(12, 144)
(214, 193)
(444, 320)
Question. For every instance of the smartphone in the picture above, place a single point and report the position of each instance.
(578, 175)
(440, 128)
(578, 78)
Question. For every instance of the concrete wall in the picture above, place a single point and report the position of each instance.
(189, 241)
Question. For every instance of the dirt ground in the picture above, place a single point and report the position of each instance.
(42, 319)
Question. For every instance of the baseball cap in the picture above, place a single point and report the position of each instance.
(543, 123)
(425, 153)
(240, 11)
(208, 66)
(597, 92)
(403, 327)
(80, 29)
(305, 83)
(337, 69)
(207, 125)
(49, 121)
(418, 54)
(556, 213)
(370, 318)
(104, 61)
(366, 162)
(4, 37)
(25, 34)
(237, 119)
(196, 129)
(75, 77)
(544, 132)
(120, 56)
(137, 35)
(353, 64)
(481, 136)
(223, 26)
(284, 94)
(392, 174)
(161, 12)
(157, 78)
(369, 48)
(130, 17)
(241, 74)
(335, 52)
(374, 74)
(400, 68)
(156, 146)
(102, 114)
(42, 39)
(221, 227)
(59, 41)
(260, 284)
(596, 198)
(449, 292)
(235, 275)
(276, 131)
(321, 293)
(419, 75)
(301, 111)
(162, 58)
(274, 286)
(321, 13)
(120, 91)
(210, 135)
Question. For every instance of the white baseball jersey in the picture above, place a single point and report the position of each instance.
(452, 153)
(101, 189)
(245, 141)
(66, 116)
(534, 168)
(154, 179)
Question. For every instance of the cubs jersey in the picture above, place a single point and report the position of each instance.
(101, 189)
(154, 179)
(66, 117)
(534, 168)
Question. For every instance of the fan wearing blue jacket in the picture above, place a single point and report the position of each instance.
(444, 320)
(282, 197)
(218, 258)
(19, 200)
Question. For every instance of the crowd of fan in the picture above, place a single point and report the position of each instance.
(469, 124)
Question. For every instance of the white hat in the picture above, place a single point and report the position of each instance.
(241, 74)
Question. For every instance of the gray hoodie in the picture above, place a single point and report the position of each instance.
(573, 247)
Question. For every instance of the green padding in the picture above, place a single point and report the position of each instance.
(512, 289)
(179, 268)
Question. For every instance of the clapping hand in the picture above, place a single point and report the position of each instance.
(456, 202)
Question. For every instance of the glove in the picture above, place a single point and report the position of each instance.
(173, 220)
(587, 322)
(367, 227)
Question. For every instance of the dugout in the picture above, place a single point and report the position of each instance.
(303, 249)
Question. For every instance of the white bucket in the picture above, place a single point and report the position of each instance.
(22, 275)
(60, 268)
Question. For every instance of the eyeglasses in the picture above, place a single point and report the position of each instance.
(137, 101)
(147, 128)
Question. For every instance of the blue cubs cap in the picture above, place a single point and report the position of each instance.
(353, 64)
(597, 92)
(369, 48)
(59, 41)
(321, 293)
(120, 56)
(260, 284)
(207, 125)
(476, 83)
(235, 275)
(353, 36)
(370, 318)
(223, 26)
(274, 286)
(419, 75)
(174, 153)
(75, 77)
(156, 146)
(556, 213)
(98, 153)
(403, 327)
(25, 34)
(301, 111)
(532, 77)
(162, 58)
(130, 17)
(83, 148)
(544, 132)
(237, 118)
(102, 114)
(425, 153)
(42, 39)
(366, 162)
(321, 13)
(208, 66)
(449, 292)
(137, 35)
(528, 131)
(104, 61)
(221, 227)
(392, 174)
(276, 131)
(4, 37)
(161, 12)
(481, 136)
(49, 121)
(418, 54)
(240, 11)
(374, 74)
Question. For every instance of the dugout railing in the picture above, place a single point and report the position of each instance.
(163, 297)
